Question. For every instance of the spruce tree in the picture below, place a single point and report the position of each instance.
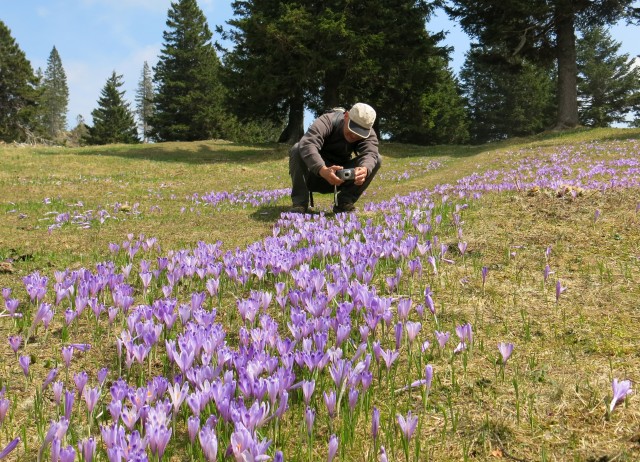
(608, 82)
(189, 97)
(112, 120)
(290, 54)
(144, 102)
(542, 31)
(55, 97)
(506, 99)
(17, 90)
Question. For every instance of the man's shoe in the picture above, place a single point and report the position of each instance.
(342, 208)
(298, 209)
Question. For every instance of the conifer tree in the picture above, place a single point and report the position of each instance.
(17, 90)
(144, 101)
(55, 97)
(608, 82)
(112, 120)
(189, 97)
(542, 31)
(506, 99)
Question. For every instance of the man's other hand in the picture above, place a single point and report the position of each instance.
(361, 175)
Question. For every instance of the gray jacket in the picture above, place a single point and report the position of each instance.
(323, 145)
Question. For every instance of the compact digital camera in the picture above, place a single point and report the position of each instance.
(346, 174)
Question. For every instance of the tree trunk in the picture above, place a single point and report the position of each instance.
(330, 98)
(295, 126)
(567, 72)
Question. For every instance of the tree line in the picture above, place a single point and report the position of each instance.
(533, 65)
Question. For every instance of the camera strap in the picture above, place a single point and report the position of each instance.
(335, 195)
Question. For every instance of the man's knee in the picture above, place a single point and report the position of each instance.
(377, 165)
(294, 158)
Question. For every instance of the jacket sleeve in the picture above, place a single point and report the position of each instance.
(312, 141)
(367, 152)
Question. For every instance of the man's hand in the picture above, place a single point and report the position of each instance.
(329, 174)
(361, 175)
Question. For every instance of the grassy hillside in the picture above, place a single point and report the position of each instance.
(533, 243)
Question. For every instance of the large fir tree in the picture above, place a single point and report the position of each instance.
(55, 96)
(144, 102)
(112, 120)
(506, 99)
(608, 82)
(272, 65)
(290, 54)
(541, 31)
(189, 101)
(17, 90)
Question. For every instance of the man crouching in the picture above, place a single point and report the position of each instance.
(338, 153)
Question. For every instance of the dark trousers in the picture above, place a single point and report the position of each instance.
(303, 181)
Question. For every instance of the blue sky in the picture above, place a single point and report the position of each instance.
(96, 37)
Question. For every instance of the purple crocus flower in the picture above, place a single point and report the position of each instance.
(67, 454)
(382, 457)
(375, 423)
(308, 386)
(10, 447)
(428, 300)
(407, 425)
(442, 338)
(465, 333)
(80, 379)
(67, 355)
(428, 376)
(50, 378)
(485, 271)
(330, 402)
(87, 448)
(178, 394)
(333, 447)
(389, 357)
(14, 342)
(102, 375)
(620, 390)
(404, 305)
(505, 350)
(91, 396)
(413, 328)
(193, 426)
(25, 361)
(398, 332)
(69, 398)
(309, 418)
(559, 290)
(4, 408)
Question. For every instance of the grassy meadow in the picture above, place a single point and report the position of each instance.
(483, 304)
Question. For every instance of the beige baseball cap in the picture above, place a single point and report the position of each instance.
(361, 119)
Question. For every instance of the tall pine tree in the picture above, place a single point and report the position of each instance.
(189, 101)
(17, 90)
(289, 55)
(506, 99)
(55, 97)
(608, 82)
(112, 120)
(541, 31)
(144, 101)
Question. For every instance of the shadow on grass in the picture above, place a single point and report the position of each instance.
(269, 213)
(576, 135)
(196, 152)
(224, 152)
